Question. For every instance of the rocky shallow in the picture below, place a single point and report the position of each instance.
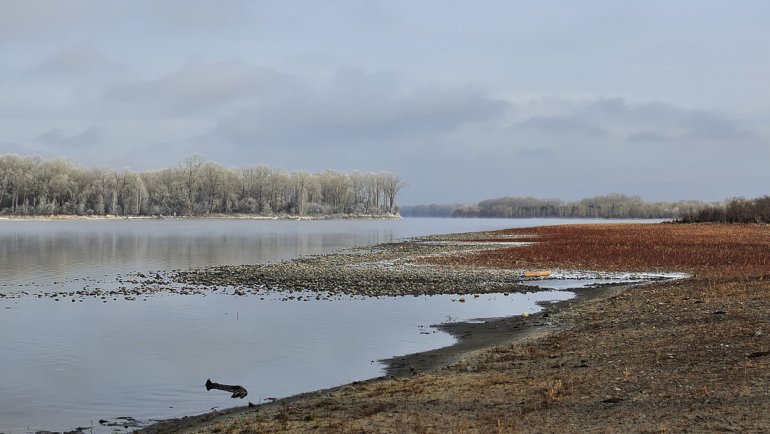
(383, 270)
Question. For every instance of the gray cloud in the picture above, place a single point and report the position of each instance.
(195, 15)
(652, 122)
(711, 126)
(31, 21)
(669, 122)
(355, 107)
(56, 139)
(647, 137)
(200, 88)
(93, 136)
(562, 126)
(28, 21)
(76, 60)
(536, 153)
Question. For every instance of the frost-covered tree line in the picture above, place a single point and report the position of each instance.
(34, 186)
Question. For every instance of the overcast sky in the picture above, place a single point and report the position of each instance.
(465, 100)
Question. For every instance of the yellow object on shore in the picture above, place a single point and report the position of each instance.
(537, 273)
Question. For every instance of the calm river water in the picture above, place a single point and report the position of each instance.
(67, 364)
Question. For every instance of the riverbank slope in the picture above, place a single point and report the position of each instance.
(686, 355)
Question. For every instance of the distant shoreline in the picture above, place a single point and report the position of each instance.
(67, 217)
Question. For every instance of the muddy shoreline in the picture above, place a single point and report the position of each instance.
(686, 355)
(683, 355)
(473, 336)
(470, 336)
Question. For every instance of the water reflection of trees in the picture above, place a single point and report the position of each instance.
(47, 251)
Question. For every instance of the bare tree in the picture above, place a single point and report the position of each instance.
(300, 182)
(191, 170)
(211, 177)
(392, 185)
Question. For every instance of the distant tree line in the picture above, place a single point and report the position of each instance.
(34, 186)
(616, 206)
(432, 210)
(738, 210)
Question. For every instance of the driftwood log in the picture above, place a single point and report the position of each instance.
(237, 391)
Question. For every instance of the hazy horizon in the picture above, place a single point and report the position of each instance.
(465, 102)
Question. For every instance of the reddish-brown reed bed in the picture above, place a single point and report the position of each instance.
(725, 250)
